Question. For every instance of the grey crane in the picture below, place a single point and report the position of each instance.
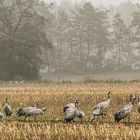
(31, 111)
(24, 110)
(125, 111)
(70, 114)
(80, 114)
(71, 105)
(7, 108)
(37, 111)
(101, 108)
(98, 112)
(104, 104)
(22, 82)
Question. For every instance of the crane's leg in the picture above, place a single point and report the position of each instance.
(98, 119)
(72, 121)
(29, 119)
(34, 118)
(103, 118)
(129, 118)
(81, 120)
(92, 119)
(67, 121)
(6, 118)
(1, 119)
(25, 118)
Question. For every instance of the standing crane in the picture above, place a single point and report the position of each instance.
(70, 114)
(125, 111)
(7, 108)
(101, 108)
(71, 105)
(80, 115)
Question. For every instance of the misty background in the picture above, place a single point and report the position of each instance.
(69, 39)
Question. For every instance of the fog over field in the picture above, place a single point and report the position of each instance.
(98, 2)
(60, 39)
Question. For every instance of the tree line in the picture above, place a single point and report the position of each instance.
(88, 39)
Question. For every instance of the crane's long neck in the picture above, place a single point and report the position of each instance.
(75, 103)
(109, 95)
(37, 104)
(109, 101)
(132, 101)
(6, 100)
(109, 98)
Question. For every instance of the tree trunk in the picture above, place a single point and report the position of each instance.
(80, 49)
(119, 61)
(88, 49)
(60, 55)
(71, 47)
(88, 52)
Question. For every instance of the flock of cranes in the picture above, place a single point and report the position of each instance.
(100, 109)
(71, 110)
(24, 111)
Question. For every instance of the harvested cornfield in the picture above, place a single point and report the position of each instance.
(54, 97)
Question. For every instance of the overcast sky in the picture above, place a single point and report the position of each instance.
(100, 2)
(113, 2)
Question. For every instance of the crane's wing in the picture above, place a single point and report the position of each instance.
(100, 105)
(70, 113)
(124, 112)
(71, 105)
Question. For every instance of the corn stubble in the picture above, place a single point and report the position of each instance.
(54, 97)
